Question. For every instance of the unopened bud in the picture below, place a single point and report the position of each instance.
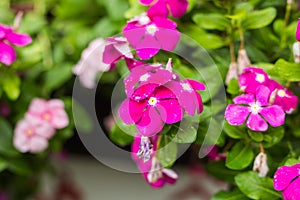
(261, 165)
(242, 60)
(232, 72)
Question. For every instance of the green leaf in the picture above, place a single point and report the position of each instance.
(56, 77)
(135, 9)
(185, 132)
(288, 71)
(82, 118)
(206, 40)
(273, 136)
(3, 164)
(167, 152)
(235, 132)
(11, 84)
(255, 187)
(211, 21)
(116, 8)
(256, 136)
(259, 19)
(122, 134)
(19, 166)
(240, 156)
(233, 87)
(233, 195)
(6, 135)
(291, 161)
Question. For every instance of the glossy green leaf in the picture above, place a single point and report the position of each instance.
(273, 136)
(287, 70)
(235, 132)
(256, 136)
(233, 87)
(255, 187)
(233, 195)
(211, 21)
(259, 18)
(122, 134)
(185, 132)
(11, 84)
(240, 156)
(167, 152)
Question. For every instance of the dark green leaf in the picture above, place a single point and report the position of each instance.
(259, 19)
(240, 156)
(167, 152)
(218, 170)
(255, 187)
(6, 141)
(288, 71)
(3, 164)
(211, 21)
(233, 195)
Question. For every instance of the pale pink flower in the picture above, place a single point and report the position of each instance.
(32, 137)
(91, 63)
(50, 112)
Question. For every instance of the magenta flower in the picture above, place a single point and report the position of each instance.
(116, 49)
(9, 36)
(150, 107)
(50, 112)
(298, 30)
(91, 63)
(32, 137)
(131, 63)
(255, 106)
(162, 7)
(283, 97)
(144, 154)
(251, 78)
(287, 180)
(150, 34)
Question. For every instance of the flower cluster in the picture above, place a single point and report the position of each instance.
(38, 126)
(287, 180)
(265, 100)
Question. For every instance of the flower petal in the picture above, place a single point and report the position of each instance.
(244, 99)
(274, 115)
(158, 9)
(146, 2)
(44, 130)
(148, 47)
(263, 95)
(150, 123)
(38, 144)
(170, 176)
(171, 109)
(236, 115)
(256, 123)
(131, 111)
(60, 119)
(7, 54)
(133, 34)
(110, 54)
(284, 176)
(19, 39)
(293, 190)
(196, 85)
(165, 23)
(164, 93)
(167, 38)
(178, 7)
(143, 92)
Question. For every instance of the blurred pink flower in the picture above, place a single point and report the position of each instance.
(32, 137)
(9, 36)
(163, 7)
(255, 106)
(4, 109)
(152, 171)
(115, 49)
(91, 63)
(50, 112)
(287, 180)
(150, 34)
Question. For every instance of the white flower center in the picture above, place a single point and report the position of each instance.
(152, 101)
(255, 108)
(281, 93)
(151, 29)
(186, 86)
(260, 78)
(144, 77)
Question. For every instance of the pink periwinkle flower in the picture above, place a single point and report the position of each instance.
(32, 137)
(163, 7)
(157, 96)
(251, 78)
(9, 36)
(132, 63)
(287, 180)
(150, 34)
(144, 154)
(298, 30)
(116, 49)
(50, 112)
(255, 106)
(91, 63)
